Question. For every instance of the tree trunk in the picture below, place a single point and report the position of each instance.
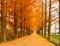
(59, 20)
(49, 26)
(45, 18)
(59, 16)
(21, 23)
(3, 24)
(15, 22)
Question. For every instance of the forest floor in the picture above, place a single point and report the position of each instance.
(30, 40)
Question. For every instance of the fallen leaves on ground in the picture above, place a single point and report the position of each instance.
(30, 40)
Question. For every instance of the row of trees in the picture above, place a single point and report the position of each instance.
(47, 19)
(20, 15)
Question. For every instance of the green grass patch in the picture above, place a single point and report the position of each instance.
(55, 38)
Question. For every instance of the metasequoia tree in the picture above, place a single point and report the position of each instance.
(59, 16)
(45, 18)
(49, 26)
(3, 20)
(42, 19)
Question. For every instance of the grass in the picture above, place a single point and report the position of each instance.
(55, 38)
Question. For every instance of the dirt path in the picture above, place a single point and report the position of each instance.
(31, 40)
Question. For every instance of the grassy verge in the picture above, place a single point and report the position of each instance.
(55, 38)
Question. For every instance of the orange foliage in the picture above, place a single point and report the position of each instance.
(33, 15)
(31, 11)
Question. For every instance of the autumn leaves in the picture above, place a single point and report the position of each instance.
(33, 15)
(28, 13)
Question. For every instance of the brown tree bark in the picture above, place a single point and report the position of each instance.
(59, 21)
(15, 22)
(42, 18)
(45, 18)
(3, 23)
(59, 16)
(49, 25)
(21, 22)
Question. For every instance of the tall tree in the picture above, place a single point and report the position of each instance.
(3, 23)
(42, 18)
(59, 16)
(59, 20)
(15, 21)
(45, 18)
(49, 25)
(21, 22)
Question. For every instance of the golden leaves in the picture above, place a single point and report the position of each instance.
(30, 16)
